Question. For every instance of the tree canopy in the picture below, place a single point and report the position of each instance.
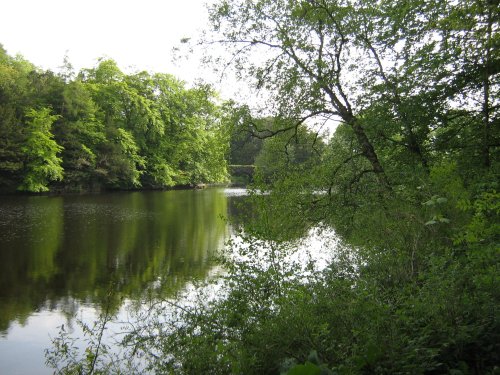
(102, 128)
(400, 74)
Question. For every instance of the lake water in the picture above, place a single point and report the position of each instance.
(61, 255)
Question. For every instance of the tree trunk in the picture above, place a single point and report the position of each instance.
(368, 151)
(486, 90)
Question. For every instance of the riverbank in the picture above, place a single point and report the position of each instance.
(102, 189)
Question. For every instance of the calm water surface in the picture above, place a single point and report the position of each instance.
(60, 256)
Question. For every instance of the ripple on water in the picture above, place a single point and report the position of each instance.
(235, 192)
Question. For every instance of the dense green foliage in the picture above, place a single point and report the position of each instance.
(408, 182)
(270, 145)
(244, 145)
(40, 150)
(105, 129)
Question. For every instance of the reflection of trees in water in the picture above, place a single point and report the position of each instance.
(30, 238)
(84, 246)
(239, 210)
(252, 214)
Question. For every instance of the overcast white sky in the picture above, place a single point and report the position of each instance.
(135, 33)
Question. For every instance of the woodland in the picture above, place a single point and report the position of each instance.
(104, 129)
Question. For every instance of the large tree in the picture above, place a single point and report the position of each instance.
(392, 71)
(42, 163)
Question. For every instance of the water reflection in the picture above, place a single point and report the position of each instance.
(58, 250)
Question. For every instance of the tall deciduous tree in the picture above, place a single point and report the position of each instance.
(303, 50)
(396, 72)
(41, 152)
(14, 88)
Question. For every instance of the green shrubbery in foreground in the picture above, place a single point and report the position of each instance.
(428, 306)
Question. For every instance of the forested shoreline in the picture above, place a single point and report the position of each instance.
(103, 129)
